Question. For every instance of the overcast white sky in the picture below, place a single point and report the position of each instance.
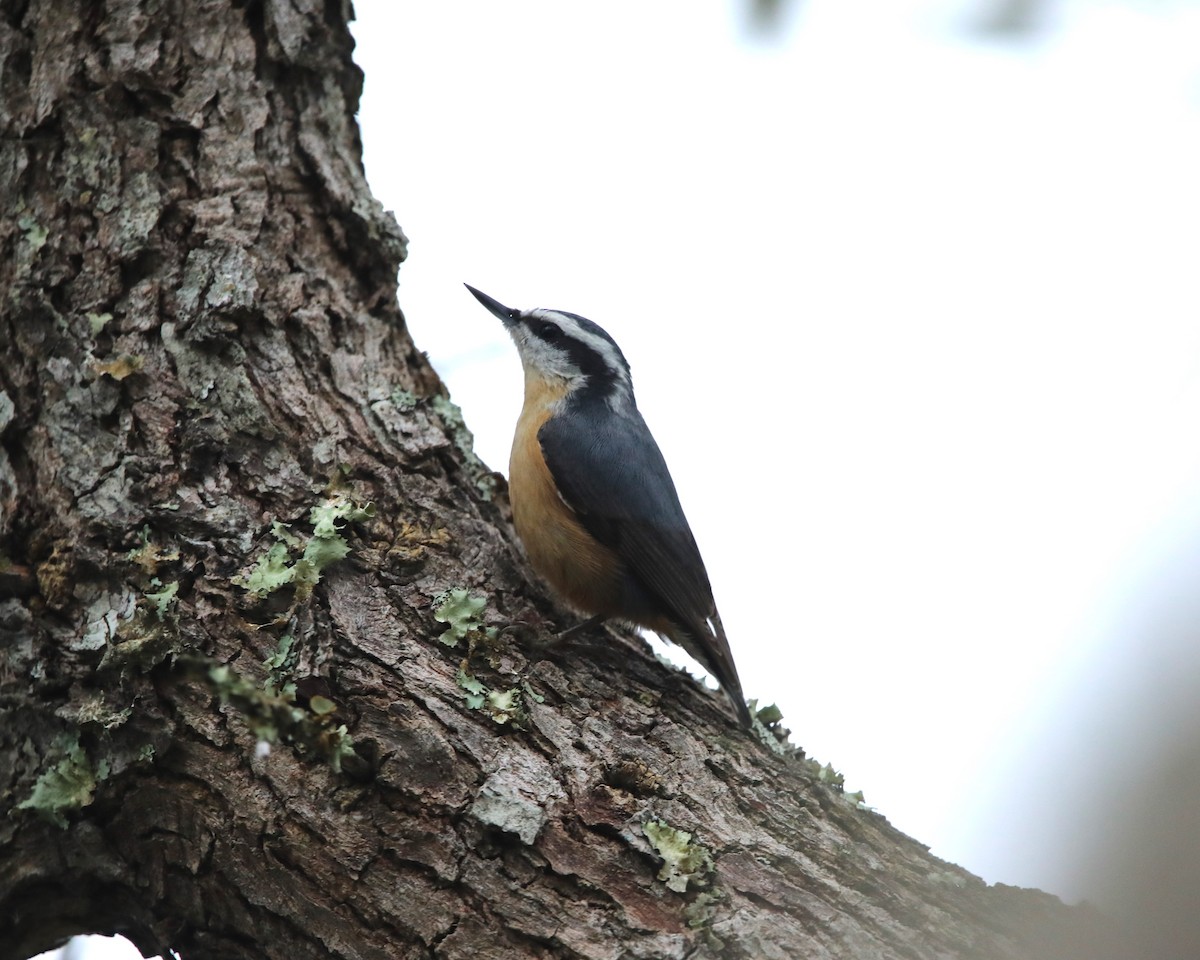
(915, 318)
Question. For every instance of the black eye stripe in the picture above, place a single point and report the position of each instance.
(580, 348)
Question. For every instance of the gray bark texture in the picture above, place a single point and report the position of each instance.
(274, 679)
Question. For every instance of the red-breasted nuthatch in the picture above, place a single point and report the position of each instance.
(592, 499)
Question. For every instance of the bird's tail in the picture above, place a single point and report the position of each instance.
(705, 640)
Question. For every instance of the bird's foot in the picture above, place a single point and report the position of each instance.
(580, 627)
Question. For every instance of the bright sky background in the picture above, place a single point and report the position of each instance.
(915, 317)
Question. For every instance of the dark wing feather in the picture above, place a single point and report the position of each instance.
(610, 471)
(612, 474)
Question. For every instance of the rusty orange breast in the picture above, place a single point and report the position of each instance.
(582, 571)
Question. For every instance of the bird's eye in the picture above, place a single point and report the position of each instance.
(549, 332)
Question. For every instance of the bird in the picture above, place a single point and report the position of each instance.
(593, 501)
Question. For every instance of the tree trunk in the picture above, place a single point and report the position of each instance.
(274, 679)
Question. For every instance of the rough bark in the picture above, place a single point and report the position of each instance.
(219, 738)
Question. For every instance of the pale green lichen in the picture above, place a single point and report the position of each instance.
(274, 718)
(272, 571)
(828, 775)
(283, 533)
(531, 694)
(283, 658)
(684, 859)
(319, 553)
(503, 706)
(768, 726)
(403, 400)
(265, 713)
(474, 687)
(769, 730)
(35, 234)
(701, 912)
(162, 599)
(330, 516)
(280, 665)
(283, 653)
(276, 568)
(858, 799)
(769, 715)
(460, 611)
(97, 321)
(68, 785)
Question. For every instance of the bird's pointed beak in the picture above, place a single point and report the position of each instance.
(507, 314)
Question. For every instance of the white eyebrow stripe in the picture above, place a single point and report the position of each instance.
(613, 358)
(554, 359)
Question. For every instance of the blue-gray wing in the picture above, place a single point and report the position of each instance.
(611, 473)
